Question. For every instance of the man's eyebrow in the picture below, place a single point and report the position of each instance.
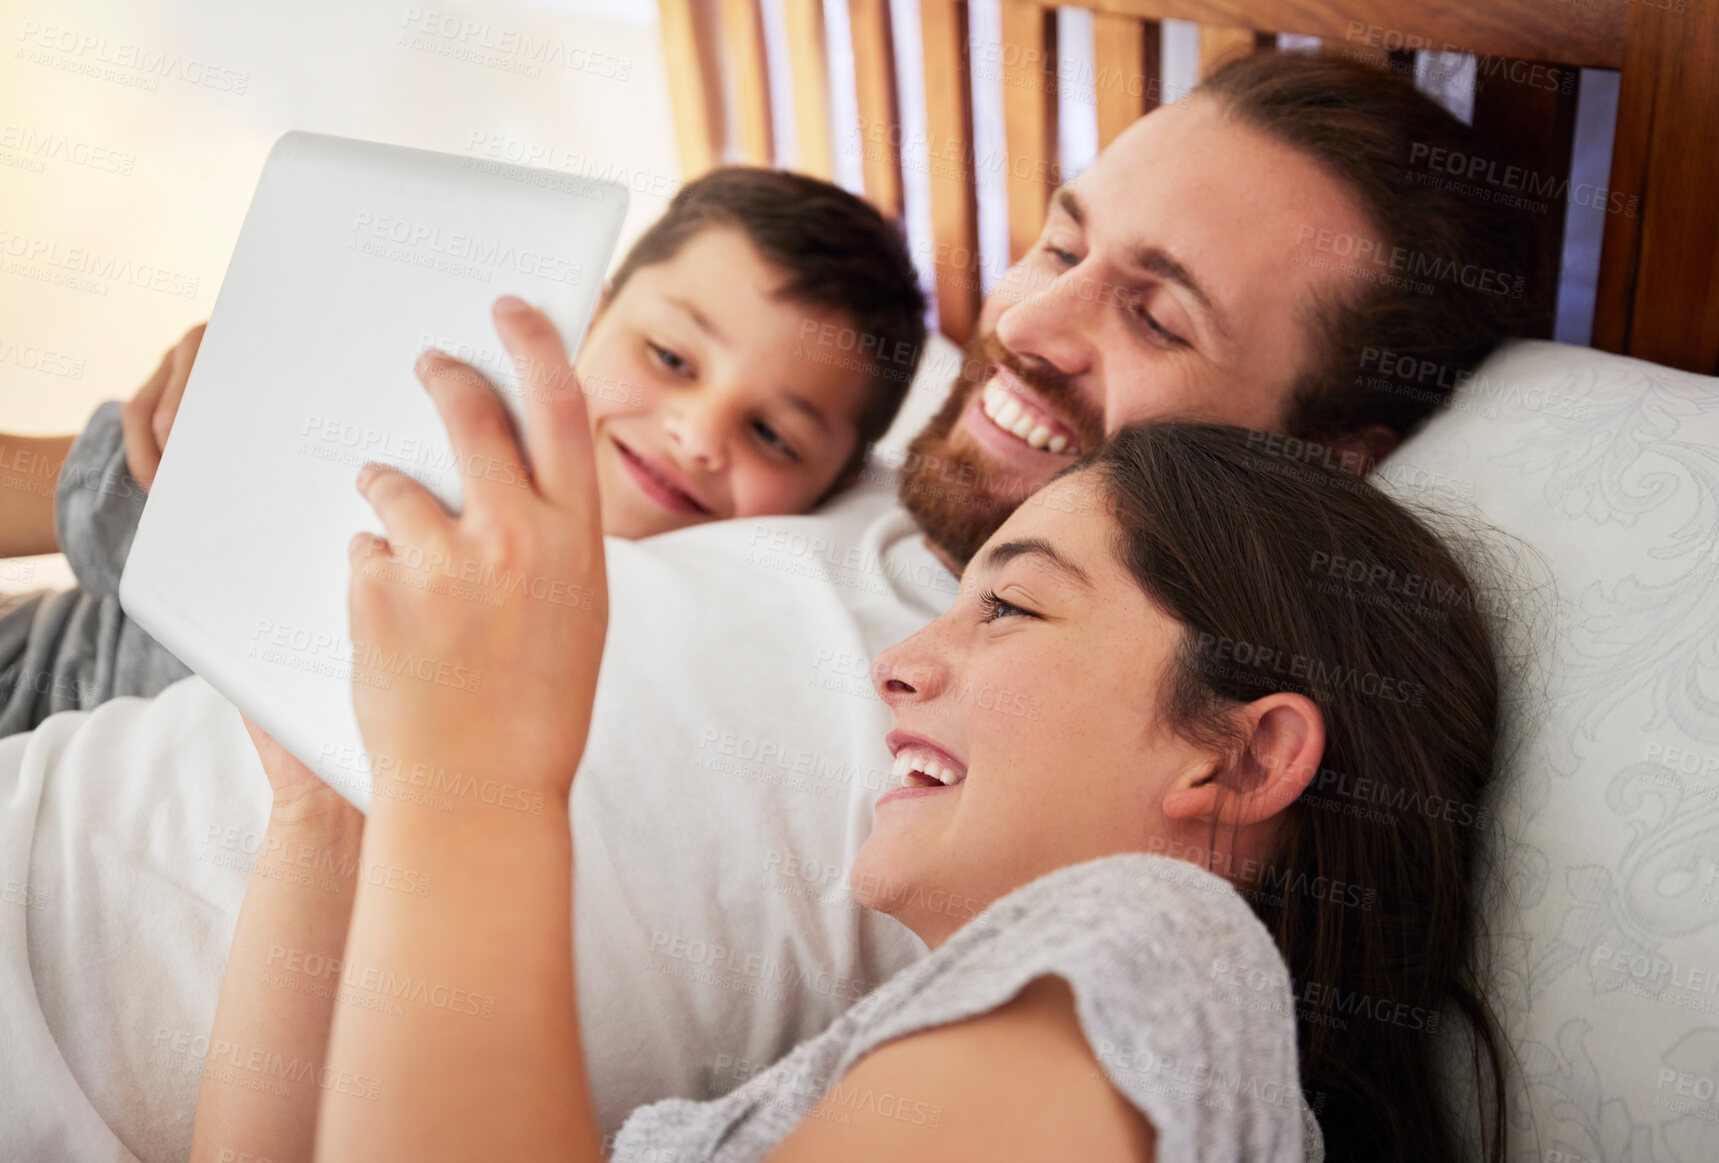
(808, 409)
(704, 324)
(1000, 555)
(1066, 198)
(1157, 261)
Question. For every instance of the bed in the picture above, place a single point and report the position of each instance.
(1655, 297)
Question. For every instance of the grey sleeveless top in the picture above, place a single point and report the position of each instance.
(1179, 989)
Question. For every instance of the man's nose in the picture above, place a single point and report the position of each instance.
(1054, 325)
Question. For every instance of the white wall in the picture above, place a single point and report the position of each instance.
(131, 136)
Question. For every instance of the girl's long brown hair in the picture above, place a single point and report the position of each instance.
(1289, 575)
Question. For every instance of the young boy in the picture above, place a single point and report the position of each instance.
(713, 389)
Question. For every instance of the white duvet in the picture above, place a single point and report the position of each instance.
(117, 916)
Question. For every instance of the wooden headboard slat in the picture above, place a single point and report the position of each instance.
(1658, 294)
(810, 70)
(954, 199)
(1126, 77)
(694, 77)
(1221, 43)
(1534, 130)
(1540, 30)
(748, 73)
(878, 131)
(1029, 118)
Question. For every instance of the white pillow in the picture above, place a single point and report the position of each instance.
(1605, 925)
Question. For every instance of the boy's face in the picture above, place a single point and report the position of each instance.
(703, 404)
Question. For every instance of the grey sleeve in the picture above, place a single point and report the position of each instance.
(1180, 990)
(77, 649)
(98, 503)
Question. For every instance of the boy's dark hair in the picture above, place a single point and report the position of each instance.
(839, 254)
(1372, 129)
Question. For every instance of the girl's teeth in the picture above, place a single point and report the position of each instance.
(907, 765)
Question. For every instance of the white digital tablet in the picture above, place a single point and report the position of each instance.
(354, 257)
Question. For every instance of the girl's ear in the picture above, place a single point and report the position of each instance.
(1283, 741)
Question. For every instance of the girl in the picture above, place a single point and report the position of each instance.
(1159, 854)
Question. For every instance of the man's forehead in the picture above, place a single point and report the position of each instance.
(1172, 149)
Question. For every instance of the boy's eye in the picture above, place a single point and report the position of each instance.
(669, 359)
(1066, 257)
(773, 440)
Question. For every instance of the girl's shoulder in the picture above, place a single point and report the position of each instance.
(1180, 992)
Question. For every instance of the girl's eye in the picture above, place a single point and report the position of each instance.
(1065, 257)
(669, 359)
(996, 607)
(773, 440)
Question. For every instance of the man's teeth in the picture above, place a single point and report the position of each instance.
(1006, 412)
(909, 762)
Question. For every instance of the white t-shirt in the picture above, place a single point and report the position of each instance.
(735, 753)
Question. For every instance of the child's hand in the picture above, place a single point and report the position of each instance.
(298, 790)
(477, 638)
(147, 417)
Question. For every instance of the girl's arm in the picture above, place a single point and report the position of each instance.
(483, 1058)
(474, 1041)
(263, 1076)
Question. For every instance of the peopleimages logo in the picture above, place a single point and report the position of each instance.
(122, 61)
(83, 268)
(1410, 263)
(1519, 179)
(467, 248)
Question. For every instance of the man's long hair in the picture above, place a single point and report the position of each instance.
(1458, 271)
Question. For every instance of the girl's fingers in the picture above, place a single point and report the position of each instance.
(363, 547)
(557, 431)
(410, 514)
(486, 455)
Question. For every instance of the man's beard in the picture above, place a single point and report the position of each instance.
(955, 490)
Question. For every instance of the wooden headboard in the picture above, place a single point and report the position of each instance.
(1658, 288)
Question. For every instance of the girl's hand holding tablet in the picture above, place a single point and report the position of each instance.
(476, 645)
(477, 638)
